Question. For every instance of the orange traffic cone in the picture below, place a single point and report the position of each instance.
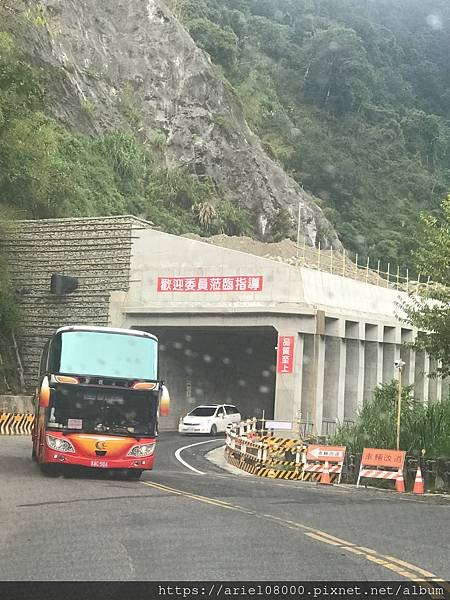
(325, 478)
(418, 483)
(399, 482)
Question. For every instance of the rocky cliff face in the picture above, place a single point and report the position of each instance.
(130, 63)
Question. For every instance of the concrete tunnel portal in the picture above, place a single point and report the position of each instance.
(219, 365)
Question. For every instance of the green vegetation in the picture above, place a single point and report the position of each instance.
(430, 312)
(48, 171)
(351, 97)
(422, 426)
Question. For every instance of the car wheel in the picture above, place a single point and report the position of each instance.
(214, 430)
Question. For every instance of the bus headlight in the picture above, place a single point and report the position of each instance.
(56, 443)
(142, 450)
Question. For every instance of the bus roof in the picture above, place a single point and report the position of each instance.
(135, 332)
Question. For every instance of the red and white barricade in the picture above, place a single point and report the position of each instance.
(388, 463)
(316, 456)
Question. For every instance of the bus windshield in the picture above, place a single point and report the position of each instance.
(105, 354)
(97, 410)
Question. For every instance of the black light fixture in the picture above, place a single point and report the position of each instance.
(62, 284)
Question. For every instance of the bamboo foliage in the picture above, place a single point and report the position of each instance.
(423, 427)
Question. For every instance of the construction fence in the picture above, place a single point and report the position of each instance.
(263, 454)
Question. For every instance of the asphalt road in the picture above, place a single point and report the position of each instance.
(178, 524)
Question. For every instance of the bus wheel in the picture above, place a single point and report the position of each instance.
(50, 469)
(134, 474)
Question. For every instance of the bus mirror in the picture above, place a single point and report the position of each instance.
(44, 393)
(164, 402)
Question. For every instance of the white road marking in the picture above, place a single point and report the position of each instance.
(180, 450)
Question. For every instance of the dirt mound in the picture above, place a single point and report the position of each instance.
(287, 251)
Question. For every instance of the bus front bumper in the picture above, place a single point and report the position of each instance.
(101, 462)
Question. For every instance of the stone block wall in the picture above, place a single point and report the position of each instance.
(95, 250)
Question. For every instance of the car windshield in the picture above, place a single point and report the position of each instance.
(104, 354)
(203, 411)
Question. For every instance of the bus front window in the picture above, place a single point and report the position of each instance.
(91, 410)
(102, 354)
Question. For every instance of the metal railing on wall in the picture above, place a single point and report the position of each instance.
(368, 271)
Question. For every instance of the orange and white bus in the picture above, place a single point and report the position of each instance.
(98, 400)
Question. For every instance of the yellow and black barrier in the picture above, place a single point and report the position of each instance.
(16, 424)
(315, 476)
(268, 456)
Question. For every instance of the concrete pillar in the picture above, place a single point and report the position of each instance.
(334, 382)
(370, 369)
(298, 371)
(288, 386)
(373, 359)
(319, 381)
(391, 353)
(434, 385)
(354, 380)
(422, 381)
(313, 372)
(439, 389)
(341, 381)
(426, 379)
(408, 355)
(308, 381)
(380, 363)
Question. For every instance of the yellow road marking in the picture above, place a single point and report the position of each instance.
(410, 566)
(322, 539)
(193, 496)
(388, 562)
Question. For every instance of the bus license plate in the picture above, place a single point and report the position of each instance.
(100, 464)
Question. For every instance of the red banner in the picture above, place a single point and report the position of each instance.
(285, 359)
(235, 283)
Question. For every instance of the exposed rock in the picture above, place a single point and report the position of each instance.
(130, 63)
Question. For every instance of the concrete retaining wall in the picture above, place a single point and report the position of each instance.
(96, 250)
(16, 404)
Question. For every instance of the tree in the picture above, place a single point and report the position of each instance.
(205, 212)
(429, 310)
(337, 74)
(220, 43)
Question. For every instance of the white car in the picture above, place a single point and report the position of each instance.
(209, 418)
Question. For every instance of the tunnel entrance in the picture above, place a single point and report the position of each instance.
(219, 365)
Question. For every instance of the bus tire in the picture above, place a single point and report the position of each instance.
(134, 474)
(50, 469)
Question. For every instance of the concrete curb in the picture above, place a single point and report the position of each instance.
(217, 457)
